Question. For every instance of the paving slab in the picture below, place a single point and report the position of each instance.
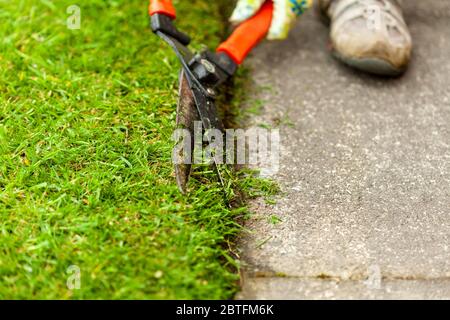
(297, 289)
(364, 172)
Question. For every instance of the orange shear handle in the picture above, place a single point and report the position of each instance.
(162, 7)
(248, 34)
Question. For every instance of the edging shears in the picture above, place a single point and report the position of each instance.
(202, 73)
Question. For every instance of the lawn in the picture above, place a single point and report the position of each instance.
(86, 179)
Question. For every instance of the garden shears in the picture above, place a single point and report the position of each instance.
(201, 74)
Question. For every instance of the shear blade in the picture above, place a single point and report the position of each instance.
(187, 114)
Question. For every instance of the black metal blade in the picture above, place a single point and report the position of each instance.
(187, 114)
(210, 119)
(193, 95)
(194, 106)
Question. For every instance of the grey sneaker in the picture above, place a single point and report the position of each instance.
(370, 35)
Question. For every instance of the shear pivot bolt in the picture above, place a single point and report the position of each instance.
(208, 66)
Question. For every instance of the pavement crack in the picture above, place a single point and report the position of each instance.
(327, 277)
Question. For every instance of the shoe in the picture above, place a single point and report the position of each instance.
(370, 35)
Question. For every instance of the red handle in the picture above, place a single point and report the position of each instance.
(248, 34)
(162, 6)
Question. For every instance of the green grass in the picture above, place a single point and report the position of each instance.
(86, 179)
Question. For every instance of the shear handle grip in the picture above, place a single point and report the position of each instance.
(164, 7)
(248, 34)
(162, 13)
(162, 23)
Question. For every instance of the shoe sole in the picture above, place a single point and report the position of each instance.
(371, 65)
